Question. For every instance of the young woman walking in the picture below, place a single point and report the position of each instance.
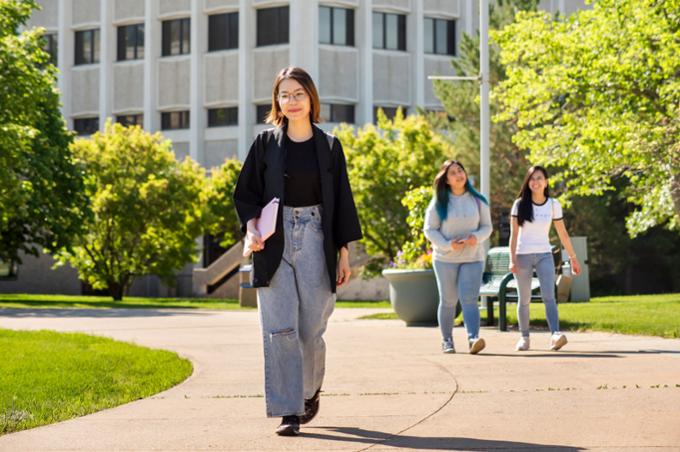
(457, 221)
(532, 215)
(297, 269)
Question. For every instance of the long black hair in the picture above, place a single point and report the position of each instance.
(442, 189)
(525, 210)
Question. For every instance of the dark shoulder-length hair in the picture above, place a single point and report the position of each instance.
(525, 209)
(301, 76)
(442, 189)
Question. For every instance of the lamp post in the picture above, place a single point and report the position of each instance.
(483, 78)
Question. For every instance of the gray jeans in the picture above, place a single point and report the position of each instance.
(545, 270)
(294, 311)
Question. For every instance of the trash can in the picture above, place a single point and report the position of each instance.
(247, 294)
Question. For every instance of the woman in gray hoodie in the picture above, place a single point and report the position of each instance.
(457, 222)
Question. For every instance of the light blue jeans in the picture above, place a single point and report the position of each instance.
(294, 312)
(545, 270)
(458, 281)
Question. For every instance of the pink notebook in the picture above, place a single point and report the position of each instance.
(266, 224)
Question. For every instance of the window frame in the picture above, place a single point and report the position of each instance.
(230, 36)
(122, 43)
(333, 112)
(230, 111)
(450, 25)
(51, 46)
(401, 31)
(184, 119)
(280, 40)
(92, 121)
(138, 119)
(349, 26)
(261, 113)
(184, 24)
(94, 36)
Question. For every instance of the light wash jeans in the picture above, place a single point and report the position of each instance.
(294, 311)
(545, 270)
(458, 281)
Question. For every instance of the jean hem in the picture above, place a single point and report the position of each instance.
(288, 414)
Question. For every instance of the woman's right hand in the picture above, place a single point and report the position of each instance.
(457, 245)
(254, 242)
(513, 267)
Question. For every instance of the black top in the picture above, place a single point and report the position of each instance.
(302, 182)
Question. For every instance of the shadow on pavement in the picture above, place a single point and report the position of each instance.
(371, 437)
(589, 354)
(560, 355)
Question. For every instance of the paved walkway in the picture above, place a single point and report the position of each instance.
(387, 388)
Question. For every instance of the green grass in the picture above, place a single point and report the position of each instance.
(105, 302)
(382, 304)
(651, 315)
(47, 377)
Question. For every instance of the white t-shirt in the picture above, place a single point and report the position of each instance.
(534, 236)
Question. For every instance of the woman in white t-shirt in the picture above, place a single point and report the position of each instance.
(532, 215)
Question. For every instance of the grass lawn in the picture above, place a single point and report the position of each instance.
(47, 377)
(652, 315)
(105, 302)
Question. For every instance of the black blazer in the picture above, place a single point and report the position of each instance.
(262, 178)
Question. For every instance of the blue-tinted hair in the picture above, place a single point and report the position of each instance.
(442, 190)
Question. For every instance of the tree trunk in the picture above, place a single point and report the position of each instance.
(116, 290)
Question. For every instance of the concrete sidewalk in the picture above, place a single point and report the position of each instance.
(387, 387)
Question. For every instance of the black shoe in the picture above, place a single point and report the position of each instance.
(290, 426)
(311, 408)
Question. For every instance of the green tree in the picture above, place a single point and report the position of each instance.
(42, 202)
(148, 209)
(385, 162)
(596, 96)
(417, 252)
(461, 103)
(222, 221)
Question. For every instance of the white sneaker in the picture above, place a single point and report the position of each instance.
(557, 341)
(523, 344)
(476, 345)
(447, 346)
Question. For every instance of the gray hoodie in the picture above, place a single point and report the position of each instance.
(465, 216)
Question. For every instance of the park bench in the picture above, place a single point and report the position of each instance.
(498, 283)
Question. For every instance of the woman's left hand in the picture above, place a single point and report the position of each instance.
(575, 266)
(343, 268)
(471, 240)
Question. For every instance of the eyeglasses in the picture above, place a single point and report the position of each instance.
(297, 97)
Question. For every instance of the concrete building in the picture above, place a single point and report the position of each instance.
(201, 71)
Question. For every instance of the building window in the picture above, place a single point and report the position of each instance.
(338, 113)
(272, 26)
(389, 31)
(87, 46)
(261, 112)
(390, 112)
(176, 37)
(131, 120)
(221, 117)
(175, 120)
(86, 126)
(336, 26)
(222, 32)
(131, 42)
(440, 36)
(50, 46)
